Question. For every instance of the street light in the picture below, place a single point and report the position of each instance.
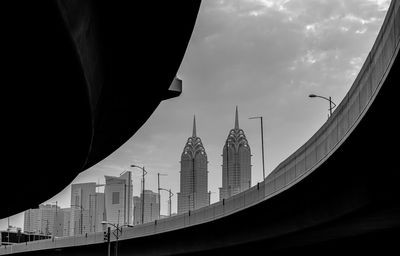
(159, 195)
(118, 228)
(262, 141)
(325, 98)
(144, 173)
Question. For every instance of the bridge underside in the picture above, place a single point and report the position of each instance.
(79, 78)
(349, 204)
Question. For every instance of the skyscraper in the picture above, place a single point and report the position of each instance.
(97, 212)
(236, 162)
(66, 222)
(194, 175)
(43, 220)
(118, 199)
(80, 203)
(31, 221)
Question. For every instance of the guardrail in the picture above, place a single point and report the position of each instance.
(297, 166)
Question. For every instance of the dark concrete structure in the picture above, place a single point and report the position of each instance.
(79, 77)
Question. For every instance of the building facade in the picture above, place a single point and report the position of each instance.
(236, 162)
(151, 207)
(80, 222)
(9, 237)
(44, 220)
(193, 175)
(66, 221)
(31, 221)
(118, 199)
(97, 212)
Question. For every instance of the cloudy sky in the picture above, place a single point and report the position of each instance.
(266, 57)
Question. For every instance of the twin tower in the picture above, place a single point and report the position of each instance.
(236, 169)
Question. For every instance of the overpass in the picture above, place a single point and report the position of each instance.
(74, 78)
(338, 193)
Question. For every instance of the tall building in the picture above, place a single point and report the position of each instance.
(44, 220)
(97, 212)
(236, 162)
(31, 221)
(151, 207)
(80, 222)
(118, 199)
(194, 175)
(58, 223)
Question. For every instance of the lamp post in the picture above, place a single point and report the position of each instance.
(159, 195)
(144, 173)
(118, 230)
(325, 98)
(262, 141)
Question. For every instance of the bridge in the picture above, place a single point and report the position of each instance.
(338, 193)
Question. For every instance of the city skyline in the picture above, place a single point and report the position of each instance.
(266, 57)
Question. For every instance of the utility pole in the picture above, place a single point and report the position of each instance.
(159, 194)
(144, 173)
(107, 239)
(170, 202)
(117, 232)
(143, 196)
(331, 107)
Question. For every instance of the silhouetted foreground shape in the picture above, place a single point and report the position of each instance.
(78, 79)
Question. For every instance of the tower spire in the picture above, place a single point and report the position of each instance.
(194, 126)
(236, 119)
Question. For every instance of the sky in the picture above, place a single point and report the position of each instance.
(264, 56)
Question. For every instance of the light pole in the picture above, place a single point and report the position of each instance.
(118, 230)
(325, 98)
(159, 195)
(144, 173)
(262, 141)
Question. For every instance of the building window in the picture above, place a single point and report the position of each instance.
(115, 198)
